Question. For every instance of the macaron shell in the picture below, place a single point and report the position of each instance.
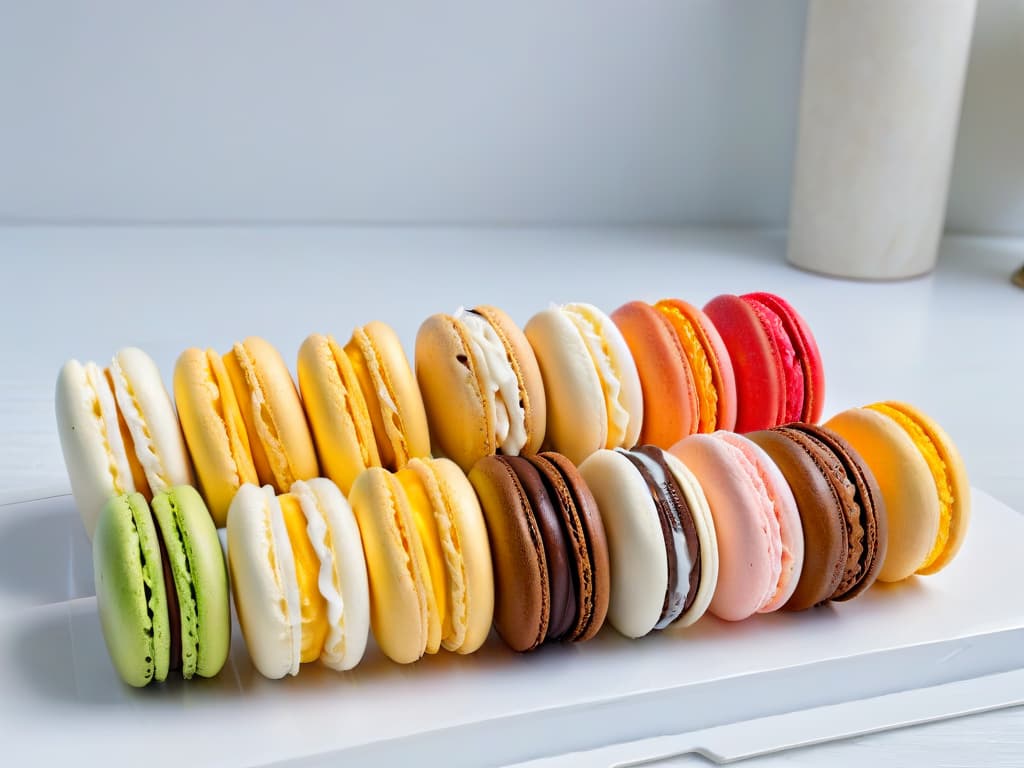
(577, 420)
(739, 510)
(400, 421)
(350, 569)
(807, 351)
(792, 372)
(524, 363)
(338, 414)
(521, 591)
(905, 481)
(151, 420)
(214, 428)
(197, 564)
(787, 515)
(826, 542)
(458, 412)
(90, 440)
(755, 360)
(636, 546)
(279, 437)
(398, 576)
(670, 399)
(711, 356)
(956, 474)
(587, 536)
(131, 596)
(460, 522)
(704, 523)
(258, 583)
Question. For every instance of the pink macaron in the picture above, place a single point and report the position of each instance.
(757, 523)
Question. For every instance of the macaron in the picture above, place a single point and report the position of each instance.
(778, 368)
(591, 384)
(661, 538)
(548, 547)
(481, 386)
(922, 478)
(279, 438)
(671, 408)
(842, 511)
(451, 528)
(118, 431)
(391, 395)
(757, 524)
(214, 428)
(161, 586)
(713, 377)
(299, 577)
(337, 411)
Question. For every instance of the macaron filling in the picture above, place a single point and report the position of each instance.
(792, 365)
(700, 365)
(678, 529)
(312, 607)
(498, 381)
(426, 528)
(319, 535)
(142, 439)
(100, 403)
(937, 468)
(611, 382)
(282, 564)
(388, 427)
(351, 400)
(174, 551)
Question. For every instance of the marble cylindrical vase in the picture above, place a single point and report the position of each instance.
(879, 110)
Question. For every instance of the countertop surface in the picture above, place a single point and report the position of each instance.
(952, 343)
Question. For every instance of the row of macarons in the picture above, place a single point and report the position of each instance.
(541, 549)
(574, 380)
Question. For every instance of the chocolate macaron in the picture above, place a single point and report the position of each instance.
(841, 509)
(548, 549)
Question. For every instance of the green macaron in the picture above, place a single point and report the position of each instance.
(161, 586)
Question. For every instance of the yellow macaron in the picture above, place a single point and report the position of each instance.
(923, 481)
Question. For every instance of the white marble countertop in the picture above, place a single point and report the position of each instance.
(952, 343)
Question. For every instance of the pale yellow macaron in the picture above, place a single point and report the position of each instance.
(403, 608)
(922, 479)
(337, 411)
(391, 395)
(451, 527)
(590, 380)
(481, 386)
(279, 437)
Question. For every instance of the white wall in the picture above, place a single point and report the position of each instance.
(444, 111)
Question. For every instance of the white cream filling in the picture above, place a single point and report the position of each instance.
(142, 438)
(98, 393)
(282, 548)
(501, 387)
(618, 418)
(319, 533)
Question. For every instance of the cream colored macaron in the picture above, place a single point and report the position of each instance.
(298, 577)
(481, 386)
(118, 431)
(590, 380)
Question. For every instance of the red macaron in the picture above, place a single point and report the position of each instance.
(778, 368)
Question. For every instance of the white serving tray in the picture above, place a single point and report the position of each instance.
(960, 633)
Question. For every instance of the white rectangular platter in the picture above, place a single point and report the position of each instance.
(61, 701)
